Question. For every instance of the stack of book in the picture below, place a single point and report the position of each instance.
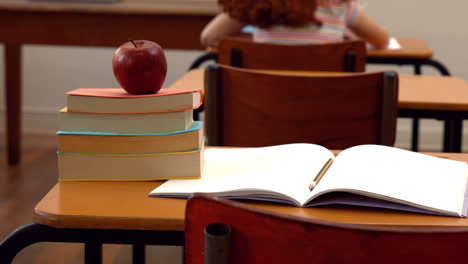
(107, 134)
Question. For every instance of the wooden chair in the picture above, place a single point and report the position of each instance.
(221, 231)
(251, 108)
(349, 56)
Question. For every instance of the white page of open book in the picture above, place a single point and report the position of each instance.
(286, 169)
(434, 183)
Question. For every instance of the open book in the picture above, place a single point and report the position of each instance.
(368, 175)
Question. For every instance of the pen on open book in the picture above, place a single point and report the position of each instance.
(320, 174)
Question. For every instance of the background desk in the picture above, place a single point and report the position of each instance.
(416, 53)
(440, 97)
(121, 212)
(174, 24)
(413, 52)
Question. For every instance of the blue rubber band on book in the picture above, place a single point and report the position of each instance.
(249, 29)
(196, 125)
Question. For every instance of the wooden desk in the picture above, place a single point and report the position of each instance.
(414, 52)
(410, 49)
(122, 212)
(440, 97)
(174, 24)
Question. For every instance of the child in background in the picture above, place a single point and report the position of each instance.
(294, 21)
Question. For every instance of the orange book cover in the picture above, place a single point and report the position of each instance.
(118, 101)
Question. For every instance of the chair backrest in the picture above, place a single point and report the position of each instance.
(221, 231)
(349, 56)
(251, 108)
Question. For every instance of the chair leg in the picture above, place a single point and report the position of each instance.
(217, 240)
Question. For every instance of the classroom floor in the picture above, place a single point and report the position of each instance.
(21, 188)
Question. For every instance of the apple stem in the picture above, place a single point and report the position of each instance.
(134, 44)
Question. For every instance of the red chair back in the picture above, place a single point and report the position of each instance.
(259, 236)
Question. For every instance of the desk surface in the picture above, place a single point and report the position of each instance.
(415, 92)
(433, 93)
(126, 205)
(204, 10)
(410, 48)
(174, 24)
(195, 7)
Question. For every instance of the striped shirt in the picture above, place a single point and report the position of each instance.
(336, 16)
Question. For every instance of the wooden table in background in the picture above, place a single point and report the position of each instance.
(410, 49)
(97, 213)
(440, 97)
(175, 24)
(413, 52)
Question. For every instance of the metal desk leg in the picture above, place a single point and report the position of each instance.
(18, 240)
(415, 123)
(13, 101)
(93, 239)
(202, 59)
(439, 66)
(138, 254)
(93, 253)
(453, 129)
(33, 233)
(453, 132)
(418, 63)
(415, 134)
(196, 64)
(196, 112)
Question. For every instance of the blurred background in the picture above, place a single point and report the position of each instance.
(50, 71)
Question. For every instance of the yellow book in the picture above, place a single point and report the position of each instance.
(141, 143)
(137, 167)
(125, 122)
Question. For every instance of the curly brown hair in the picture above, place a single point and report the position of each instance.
(264, 13)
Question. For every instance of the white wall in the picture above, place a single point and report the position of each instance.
(50, 71)
(443, 25)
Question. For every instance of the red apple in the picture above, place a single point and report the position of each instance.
(140, 66)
